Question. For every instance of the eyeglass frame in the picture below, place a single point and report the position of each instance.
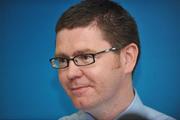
(113, 49)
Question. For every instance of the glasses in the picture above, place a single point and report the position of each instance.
(79, 60)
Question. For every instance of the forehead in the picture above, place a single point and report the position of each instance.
(80, 39)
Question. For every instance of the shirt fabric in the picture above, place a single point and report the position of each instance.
(135, 111)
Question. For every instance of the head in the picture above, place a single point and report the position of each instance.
(116, 24)
(87, 28)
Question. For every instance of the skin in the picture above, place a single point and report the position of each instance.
(104, 89)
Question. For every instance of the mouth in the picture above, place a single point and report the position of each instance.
(79, 91)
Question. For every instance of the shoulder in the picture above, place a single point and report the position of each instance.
(138, 108)
(75, 116)
(153, 114)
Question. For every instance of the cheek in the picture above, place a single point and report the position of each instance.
(105, 77)
(64, 83)
(100, 77)
(62, 79)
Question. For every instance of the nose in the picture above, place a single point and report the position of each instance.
(73, 71)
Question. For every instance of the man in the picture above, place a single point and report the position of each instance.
(97, 49)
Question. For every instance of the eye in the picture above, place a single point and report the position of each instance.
(85, 57)
(62, 60)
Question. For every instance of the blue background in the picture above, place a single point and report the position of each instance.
(29, 87)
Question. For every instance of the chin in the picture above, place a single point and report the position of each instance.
(83, 104)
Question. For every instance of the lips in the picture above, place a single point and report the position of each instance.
(79, 90)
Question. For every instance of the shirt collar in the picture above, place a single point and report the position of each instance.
(135, 107)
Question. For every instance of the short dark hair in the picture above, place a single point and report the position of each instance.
(116, 24)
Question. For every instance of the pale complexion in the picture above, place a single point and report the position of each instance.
(104, 89)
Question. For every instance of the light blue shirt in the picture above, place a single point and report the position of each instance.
(136, 108)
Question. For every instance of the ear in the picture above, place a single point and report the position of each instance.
(129, 54)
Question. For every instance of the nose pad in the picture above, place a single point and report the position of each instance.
(74, 71)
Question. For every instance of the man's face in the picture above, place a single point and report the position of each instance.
(96, 84)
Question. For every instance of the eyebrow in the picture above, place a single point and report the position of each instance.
(78, 52)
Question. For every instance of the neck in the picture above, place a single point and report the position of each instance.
(110, 109)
